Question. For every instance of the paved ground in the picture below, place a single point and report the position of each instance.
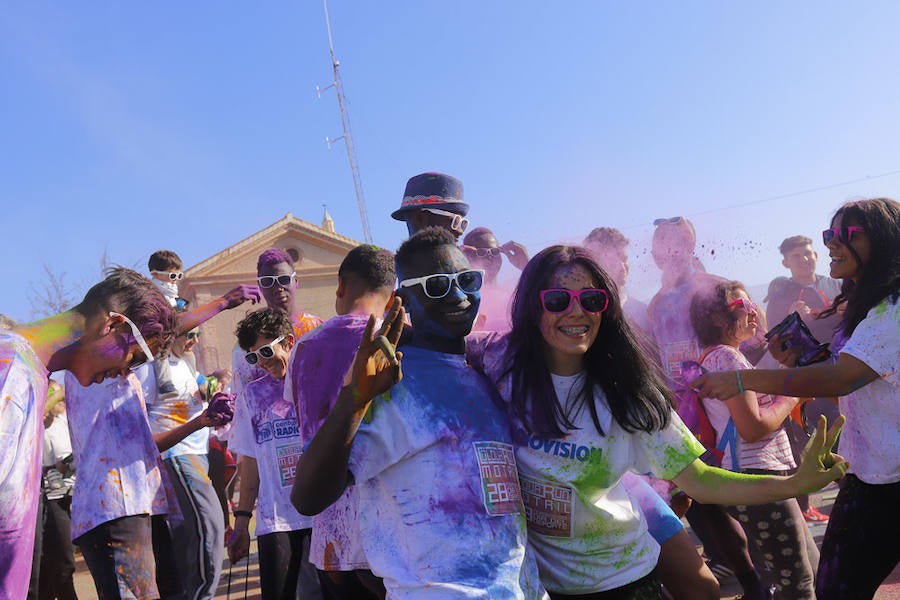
(244, 579)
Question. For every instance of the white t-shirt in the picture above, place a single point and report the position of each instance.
(440, 508)
(870, 439)
(119, 472)
(588, 533)
(168, 413)
(266, 429)
(57, 444)
(771, 452)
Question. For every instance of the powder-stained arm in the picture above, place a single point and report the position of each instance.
(819, 466)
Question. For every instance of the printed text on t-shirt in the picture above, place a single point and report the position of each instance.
(277, 429)
(499, 478)
(548, 507)
(565, 449)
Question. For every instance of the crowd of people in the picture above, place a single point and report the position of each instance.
(444, 437)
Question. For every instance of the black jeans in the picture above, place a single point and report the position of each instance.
(283, 562)
(58, 560)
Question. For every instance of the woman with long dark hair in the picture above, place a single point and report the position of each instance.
(587, 406)
(749, 424)
(861, 546)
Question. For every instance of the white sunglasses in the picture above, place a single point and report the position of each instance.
(172, 276)
(140, 341)
(457, 221)
(285, 281)
(439, 285)
(267, 351)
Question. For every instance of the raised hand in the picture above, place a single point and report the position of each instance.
(241, 294)
(376, 367)
(819, 465)
(516, 253)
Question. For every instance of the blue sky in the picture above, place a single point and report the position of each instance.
(129, 128)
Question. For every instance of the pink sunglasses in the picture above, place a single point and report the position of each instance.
(747, 306)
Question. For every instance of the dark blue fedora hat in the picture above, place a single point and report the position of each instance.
(432, 190)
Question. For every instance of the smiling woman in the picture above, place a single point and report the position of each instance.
(588, 406)
(860, 547)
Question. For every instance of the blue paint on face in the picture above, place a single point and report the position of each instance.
(449, 318)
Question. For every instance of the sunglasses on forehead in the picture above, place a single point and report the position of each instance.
(439, 285)
(843, 235)
(672, 220)
(592, 300)
(267, 281)
(267, 351)
(172, 276)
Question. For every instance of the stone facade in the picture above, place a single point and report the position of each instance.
(317, 252)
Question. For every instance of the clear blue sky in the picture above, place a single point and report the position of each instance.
(132, 127)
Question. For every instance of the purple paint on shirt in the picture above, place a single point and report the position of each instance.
(23, 392)
(318, 368)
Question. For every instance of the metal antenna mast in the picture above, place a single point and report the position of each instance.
(338, 86)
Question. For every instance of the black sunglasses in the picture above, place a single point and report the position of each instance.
(673, 220)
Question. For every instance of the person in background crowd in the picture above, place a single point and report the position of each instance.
(197, 537)
(484, 252)
(222, 466)
(750, 424)
(860, 547)
(277, 281)
(674, 241)
(610, 249)
(809, 294)
(57, 565)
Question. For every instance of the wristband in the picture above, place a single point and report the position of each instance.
(740, 383)
(243, 513)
